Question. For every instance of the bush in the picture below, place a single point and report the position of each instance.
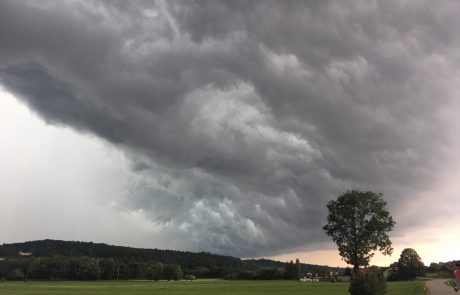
(368, 285)
(172, 272)
(394, 277)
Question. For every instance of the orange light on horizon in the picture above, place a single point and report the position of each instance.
(442, 247)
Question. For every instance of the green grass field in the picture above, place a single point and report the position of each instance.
(200, 287)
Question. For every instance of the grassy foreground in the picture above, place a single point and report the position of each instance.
(199, 287)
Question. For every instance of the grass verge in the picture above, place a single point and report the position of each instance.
(198, 287)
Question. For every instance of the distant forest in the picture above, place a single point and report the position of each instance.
(69, 260)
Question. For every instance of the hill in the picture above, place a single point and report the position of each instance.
(43, 248)
(128, 262)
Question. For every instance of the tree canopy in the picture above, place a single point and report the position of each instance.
(358, 222)
(410, 264)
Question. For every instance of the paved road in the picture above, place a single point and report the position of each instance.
(437, 287)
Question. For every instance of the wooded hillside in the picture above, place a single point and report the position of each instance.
(54, 259)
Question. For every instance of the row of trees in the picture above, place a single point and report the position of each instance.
(291, 271)
(89, 268)
(86, 268)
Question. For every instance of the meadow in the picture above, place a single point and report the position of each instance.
(199, 287)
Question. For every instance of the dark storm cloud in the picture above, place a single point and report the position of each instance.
(245, 118)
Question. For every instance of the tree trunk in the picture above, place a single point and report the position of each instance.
(355, 271)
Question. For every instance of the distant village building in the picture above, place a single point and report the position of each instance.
(306, 280)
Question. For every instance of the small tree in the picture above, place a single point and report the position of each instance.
(369, 284)
(410, 265)
(358, 223)
(290, 271)
(297, 269)
(172, 272)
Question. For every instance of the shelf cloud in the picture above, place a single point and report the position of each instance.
(244, 118)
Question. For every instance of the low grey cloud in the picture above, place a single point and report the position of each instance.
(245, 118)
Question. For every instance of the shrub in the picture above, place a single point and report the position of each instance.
(394, 277)
(368, 284)
(172, 272)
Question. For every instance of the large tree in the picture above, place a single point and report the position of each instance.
(410, 264)
(358, 222)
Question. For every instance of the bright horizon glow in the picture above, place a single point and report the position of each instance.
(435, 240)
(443, 248)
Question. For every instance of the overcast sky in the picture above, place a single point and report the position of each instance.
(226, 126)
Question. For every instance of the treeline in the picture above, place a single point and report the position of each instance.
(321, 270)
(89, 268)
(444, 269)
(85, 268)
(64, 260)
(288, 271)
